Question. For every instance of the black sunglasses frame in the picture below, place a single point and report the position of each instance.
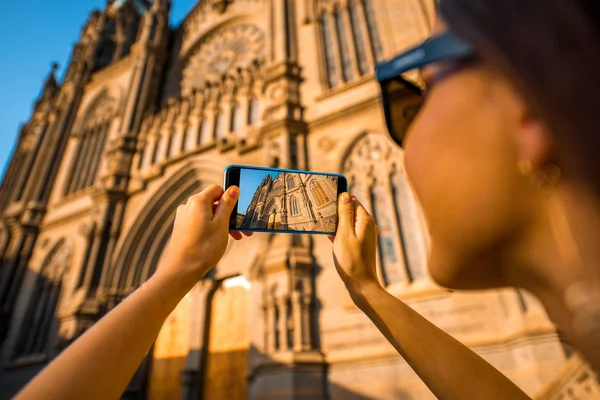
(442, 47)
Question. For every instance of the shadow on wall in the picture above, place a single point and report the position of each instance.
(225, 376)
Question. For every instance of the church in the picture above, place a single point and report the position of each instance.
(293, 202)
(148, 114)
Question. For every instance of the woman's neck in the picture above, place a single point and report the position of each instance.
(560, 264)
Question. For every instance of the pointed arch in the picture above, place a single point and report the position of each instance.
(39, 319)
(375, 170)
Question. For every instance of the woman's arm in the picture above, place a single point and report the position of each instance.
(100, 364)
(449, 368)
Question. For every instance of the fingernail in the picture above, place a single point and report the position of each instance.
(346, 198)
(234, 192)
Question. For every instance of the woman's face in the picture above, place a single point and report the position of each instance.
(462, 156)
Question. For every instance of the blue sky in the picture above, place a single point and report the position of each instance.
(34, 34)
(249, 181)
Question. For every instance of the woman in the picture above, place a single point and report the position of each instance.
(502, 156)
(506, 124)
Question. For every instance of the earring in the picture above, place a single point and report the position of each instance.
(525, 167)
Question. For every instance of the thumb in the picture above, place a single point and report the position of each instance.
(227, 203)
(345, 213)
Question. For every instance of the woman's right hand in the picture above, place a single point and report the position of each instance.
(200, 231)
(355, 245)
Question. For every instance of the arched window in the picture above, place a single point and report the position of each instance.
(291, 182)
(343, 45)
(87, 157)
(294, 209)
(253, 112)
(373, 31)
(402, 252)
(357, 35)
(237, 118)
(329, 47)
(318, 193)
(36, 330)
(94, 128)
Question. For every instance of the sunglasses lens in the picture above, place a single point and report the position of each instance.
(402, 102)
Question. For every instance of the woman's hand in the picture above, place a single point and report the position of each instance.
(355, 245)
(199, 236)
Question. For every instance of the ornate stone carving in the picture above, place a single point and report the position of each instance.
(223, 53)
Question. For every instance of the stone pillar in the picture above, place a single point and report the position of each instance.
(270, 322)
(282, 303)
(191, 376)
(298, 321)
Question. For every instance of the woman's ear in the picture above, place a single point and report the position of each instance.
(535, 143)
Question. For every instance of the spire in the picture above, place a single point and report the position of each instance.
(50, 85)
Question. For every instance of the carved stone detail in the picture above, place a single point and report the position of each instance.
(223, 53)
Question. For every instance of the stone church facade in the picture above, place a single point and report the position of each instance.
(147, 115)
(293, 201)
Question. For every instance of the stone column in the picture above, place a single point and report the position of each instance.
(283, 329)
(270, 324)
(298, 323)
(191, 376)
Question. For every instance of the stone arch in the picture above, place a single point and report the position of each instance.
(375, 170)
(142, 247)
(101, 107)
(39, 320)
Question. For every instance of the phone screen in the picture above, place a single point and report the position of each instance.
(287, 201)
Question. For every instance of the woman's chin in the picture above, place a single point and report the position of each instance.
(460, 273)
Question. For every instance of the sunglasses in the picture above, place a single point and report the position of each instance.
(401, 98)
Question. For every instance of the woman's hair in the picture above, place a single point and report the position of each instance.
(550, 49)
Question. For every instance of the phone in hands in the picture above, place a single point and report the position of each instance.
(284, 201)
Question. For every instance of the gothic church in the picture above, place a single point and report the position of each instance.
(145, 116)
(295, 202)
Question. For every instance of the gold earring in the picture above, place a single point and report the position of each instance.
(525, 167)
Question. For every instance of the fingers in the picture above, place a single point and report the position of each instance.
(227, 203)
(236, 235)
(239, 235)
(364, 221)
(345, 213)
(206, 199)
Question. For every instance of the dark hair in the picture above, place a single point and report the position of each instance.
(550, 49)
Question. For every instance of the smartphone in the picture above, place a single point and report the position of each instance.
(283, 200)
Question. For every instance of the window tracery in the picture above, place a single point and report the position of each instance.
(319, 194)
(92, 142)
(375, 171)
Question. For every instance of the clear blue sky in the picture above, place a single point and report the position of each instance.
(34, 34)
(249, 181)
